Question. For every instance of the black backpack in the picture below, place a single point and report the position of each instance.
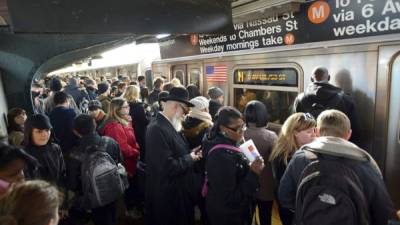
(315, 106)
(329, 192)
(103, 180)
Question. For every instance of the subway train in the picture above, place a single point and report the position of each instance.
(269, 55)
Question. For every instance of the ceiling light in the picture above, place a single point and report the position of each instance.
(161, 36)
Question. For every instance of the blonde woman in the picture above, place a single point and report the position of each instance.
(118, 126)
(139, 115)
(298, 130)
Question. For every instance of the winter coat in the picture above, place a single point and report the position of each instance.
(75, 157)
(278, 167)
(140, 120)
(62, 119)
(105, 102)
(76, 93)
(125, 137)
(49, 104)
(213, 108)
(231, 184)
(153, 96)
(378, 200)
(51, 166)
(194, 130)
(332, 98)
(91, 92)
(264, 141)
(169, 175)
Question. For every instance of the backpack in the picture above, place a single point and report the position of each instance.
(330, 191)
(204, 189)
(316, 107)
(103, 180)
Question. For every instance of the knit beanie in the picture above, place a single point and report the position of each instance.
(200, 103)
(215, 92)
(102, 87)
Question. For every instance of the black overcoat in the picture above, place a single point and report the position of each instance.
(169, 176)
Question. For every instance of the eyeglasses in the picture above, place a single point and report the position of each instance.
(185, 109)
(242, 128)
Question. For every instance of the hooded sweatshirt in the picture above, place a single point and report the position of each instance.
(331, 97)
(378, 200)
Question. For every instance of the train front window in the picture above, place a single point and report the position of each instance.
(276, 87)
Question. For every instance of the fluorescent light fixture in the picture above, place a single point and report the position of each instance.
(160, 36)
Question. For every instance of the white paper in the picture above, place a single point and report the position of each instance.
(249, 150)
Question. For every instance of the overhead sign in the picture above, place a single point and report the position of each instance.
(316, 21)
(272, 77)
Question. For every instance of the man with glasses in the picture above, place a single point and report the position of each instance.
(169, 171)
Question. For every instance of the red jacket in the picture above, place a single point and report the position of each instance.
(125, 137)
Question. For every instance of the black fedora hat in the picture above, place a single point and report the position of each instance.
(179, 94)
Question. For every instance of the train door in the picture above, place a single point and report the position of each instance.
(274, 85)
(392, 165)
(179, 72)
(195, 75)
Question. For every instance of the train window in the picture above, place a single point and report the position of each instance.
(179, 74)
(275, 86)
(194, 76)
(287, 77)
(279, 103)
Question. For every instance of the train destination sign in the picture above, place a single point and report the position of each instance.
(316, 21)
(272, 77)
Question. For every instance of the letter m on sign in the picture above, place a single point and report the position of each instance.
(318, 12)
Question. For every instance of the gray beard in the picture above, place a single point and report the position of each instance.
(177, 123)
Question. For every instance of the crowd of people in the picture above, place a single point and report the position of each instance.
(99, 150)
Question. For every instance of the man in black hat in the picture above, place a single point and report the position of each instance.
(169, 171)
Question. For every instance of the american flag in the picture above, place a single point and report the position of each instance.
(216, 73)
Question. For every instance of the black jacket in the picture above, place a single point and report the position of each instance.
(77, 154)
(331, 97)
(140, 120)
(62, 119)
(51, 165)
(231, 184)
(169, 175)
(379, 203)
(213, 108)
(153, 96)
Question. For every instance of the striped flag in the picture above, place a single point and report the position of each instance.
(216, 73)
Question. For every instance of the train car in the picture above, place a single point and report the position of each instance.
(271, 59)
